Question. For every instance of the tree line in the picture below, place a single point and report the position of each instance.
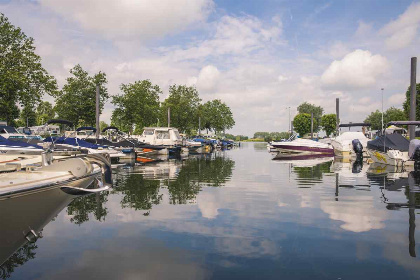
(23, 83)
(302, 121)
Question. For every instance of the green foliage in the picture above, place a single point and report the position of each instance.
(307, 108)
(102, 125)
(81, 207)
(216, 115)
(329, 123)
(270, 136)
(27, 117)
(138, 105)
(23, 80)
(261, 134)
(392, 114)
(184, 102)
(406, 104)
(375, 120)
(302, 123)
(19, 258)
(237, 137)
(76, 102)
(44, 112)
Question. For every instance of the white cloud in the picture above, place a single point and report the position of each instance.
(358, 69)
(282, 78)
(402, 31)
(396, 99)
(364, 29)
(338, 50)
(208, 78)
(132, 18)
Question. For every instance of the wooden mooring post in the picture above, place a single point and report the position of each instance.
(413, 93)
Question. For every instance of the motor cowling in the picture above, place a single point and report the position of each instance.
(414, 153)
(357, 147)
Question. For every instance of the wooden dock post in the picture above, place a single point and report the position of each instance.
(413, 93)
(337, 116)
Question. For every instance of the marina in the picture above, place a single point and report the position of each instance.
(231, 214)
(208, 139)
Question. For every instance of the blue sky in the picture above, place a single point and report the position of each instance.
(259, 57)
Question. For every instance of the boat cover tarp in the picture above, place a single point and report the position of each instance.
(414, 144)
(72, 141)
(390, 142)
(14, 143)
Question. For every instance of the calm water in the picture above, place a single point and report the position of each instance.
(234, 215)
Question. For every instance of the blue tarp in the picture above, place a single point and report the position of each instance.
(7, 142)
(72, 141)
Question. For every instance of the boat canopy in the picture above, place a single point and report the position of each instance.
(69, 123)
(354, 124)
(17, 144)
(110, 127)
(86, 128)
(397, 123)
(389, 142)
(72, 141)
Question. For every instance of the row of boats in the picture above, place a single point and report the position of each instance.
(390, 148)
(79, 161)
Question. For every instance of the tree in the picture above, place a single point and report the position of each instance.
(76, 102)
(261, 135)
(138, 105)
(217, 115)
(302, 123)
(27, 117)
(392, 114)
(375, 120)
(44, 112)
(406, 104)
(307, 108)
(329, 123)
(183, 102)
(102, 125)
(23, 80)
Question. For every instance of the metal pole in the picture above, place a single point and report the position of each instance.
(97, 112)
(413, 93)
(382, 90)
(169, 116)
(337, 116)
(312, 126)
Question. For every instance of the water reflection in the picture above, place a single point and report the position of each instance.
(22, 221)
(234, 213)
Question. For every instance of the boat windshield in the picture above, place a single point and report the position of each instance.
(7, 129)
(163, 135)
(177, 135)
(148, 132)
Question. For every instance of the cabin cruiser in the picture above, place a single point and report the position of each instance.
(165, 136)
(302, 147)
(395, 149)
(350, 143)
(116, 140)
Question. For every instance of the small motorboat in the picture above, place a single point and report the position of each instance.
(395, 149)
(302, 147)
(345, 144)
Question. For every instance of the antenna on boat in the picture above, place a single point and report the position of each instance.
(97, 112)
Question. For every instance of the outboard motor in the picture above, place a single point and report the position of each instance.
(357, 148)
(414, 153)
